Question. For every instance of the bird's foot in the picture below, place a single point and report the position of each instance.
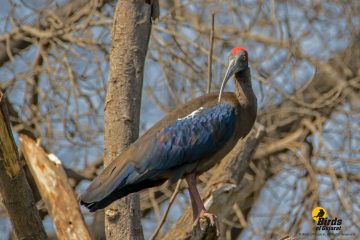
(211, 217)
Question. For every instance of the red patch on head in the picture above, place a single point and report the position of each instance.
(235, 50)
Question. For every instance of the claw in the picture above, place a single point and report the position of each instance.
(211, 217)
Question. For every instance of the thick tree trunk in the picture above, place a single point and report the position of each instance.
(15, 190)
(130, 37)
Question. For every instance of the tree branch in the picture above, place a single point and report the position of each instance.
(15, 190)
(55, 190)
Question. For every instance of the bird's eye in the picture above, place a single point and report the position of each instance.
(244, 58)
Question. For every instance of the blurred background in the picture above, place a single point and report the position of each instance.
(305, 63)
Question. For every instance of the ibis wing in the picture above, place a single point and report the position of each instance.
(183, 142)
(189, 139)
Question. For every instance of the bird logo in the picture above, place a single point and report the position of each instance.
(318, 213)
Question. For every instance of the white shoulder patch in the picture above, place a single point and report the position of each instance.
(193, 114)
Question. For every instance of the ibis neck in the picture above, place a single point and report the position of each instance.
(243, 88)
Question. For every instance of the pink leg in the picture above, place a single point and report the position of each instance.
(196, 202)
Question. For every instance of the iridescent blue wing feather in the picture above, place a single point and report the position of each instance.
(190, 139)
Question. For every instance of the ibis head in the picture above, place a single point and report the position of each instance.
(238, 61)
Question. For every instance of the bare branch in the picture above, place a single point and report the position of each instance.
(210, 55)
(158, 228)
(55, 190)
(72, 10)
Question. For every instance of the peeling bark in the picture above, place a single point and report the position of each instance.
(55, 190)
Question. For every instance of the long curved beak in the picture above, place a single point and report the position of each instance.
(229, 72)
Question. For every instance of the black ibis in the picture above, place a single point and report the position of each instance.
(185, 143)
